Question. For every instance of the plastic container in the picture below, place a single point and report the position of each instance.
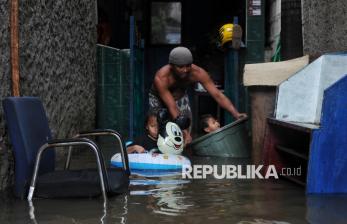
(228, 141)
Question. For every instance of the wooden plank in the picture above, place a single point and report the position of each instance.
(14, 29)
(270, 154)
(303, 127)
(272, 73)
(262, 106)
(291, 152)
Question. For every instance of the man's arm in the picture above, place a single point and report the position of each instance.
(221, 99)
(166, 96)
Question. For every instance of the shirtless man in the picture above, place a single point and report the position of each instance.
(169, 89)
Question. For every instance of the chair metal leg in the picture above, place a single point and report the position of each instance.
(68, 158)
(64, 143)
(102, 133)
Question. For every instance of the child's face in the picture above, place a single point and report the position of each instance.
(152, 127)
(213, 125)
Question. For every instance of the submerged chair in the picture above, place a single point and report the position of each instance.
(35, 160)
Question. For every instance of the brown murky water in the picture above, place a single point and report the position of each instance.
(169, 199)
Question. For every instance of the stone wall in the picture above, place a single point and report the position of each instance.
(57, 63)
(324, 26)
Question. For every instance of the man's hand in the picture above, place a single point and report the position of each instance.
(187, 137)
(241, 116)
(182, 121)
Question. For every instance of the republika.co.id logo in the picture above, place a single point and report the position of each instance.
(237, 172)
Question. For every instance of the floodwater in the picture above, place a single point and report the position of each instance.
(171, 199)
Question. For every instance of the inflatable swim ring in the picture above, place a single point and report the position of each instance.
(151, 161)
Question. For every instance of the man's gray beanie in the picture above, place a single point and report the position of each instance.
(180, 56)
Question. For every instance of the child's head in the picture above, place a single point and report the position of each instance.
(208, 123)
(151, 124)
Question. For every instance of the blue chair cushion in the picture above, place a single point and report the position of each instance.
(28, 131)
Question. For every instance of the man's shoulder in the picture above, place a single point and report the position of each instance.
(198, 72)
(165, 70)
(162, 76)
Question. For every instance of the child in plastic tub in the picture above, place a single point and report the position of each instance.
(208, 123)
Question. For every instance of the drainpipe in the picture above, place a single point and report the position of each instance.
(14, 47)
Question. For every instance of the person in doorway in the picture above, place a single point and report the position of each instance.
(208, 123)
(169, 89)
(148, 141)
(104, 30)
